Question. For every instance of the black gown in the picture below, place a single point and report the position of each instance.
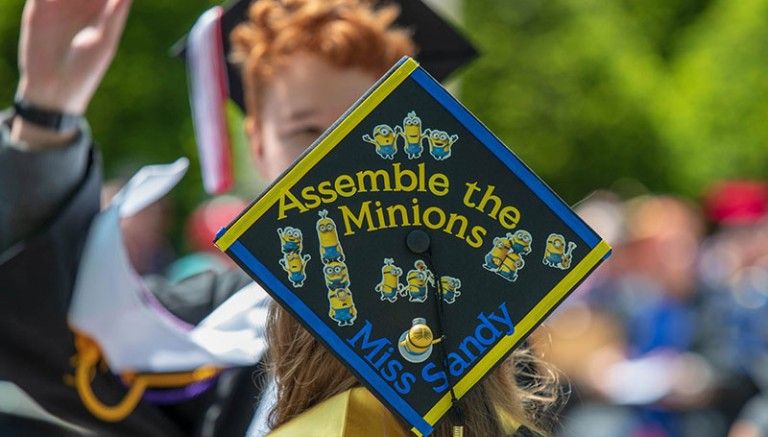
(43, 224)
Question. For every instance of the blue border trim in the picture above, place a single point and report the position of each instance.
(323, 331)
(506, 156)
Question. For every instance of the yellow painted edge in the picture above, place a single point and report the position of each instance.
(522, 329)
(316, 154)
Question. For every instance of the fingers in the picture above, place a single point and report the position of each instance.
(113, 21)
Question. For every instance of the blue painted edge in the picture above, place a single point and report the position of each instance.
(326, 333)
(485, 136)
(220, 232)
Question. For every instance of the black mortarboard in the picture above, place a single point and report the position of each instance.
(441, 48)
(414, 245)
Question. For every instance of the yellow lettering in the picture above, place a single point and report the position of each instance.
(372, 175)
(476, 238)
(364, 217)
(429, 212)
(311, 199)
(452, 219)
(345, 186)
(438, 184)
(294, 203)
(399, 179)
(325, 190)
(509, 216)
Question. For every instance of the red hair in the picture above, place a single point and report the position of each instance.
(346, 33)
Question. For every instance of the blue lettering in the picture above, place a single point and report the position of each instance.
(365, 334)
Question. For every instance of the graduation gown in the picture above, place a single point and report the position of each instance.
(47, 203)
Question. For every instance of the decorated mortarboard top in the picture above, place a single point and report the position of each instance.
(414, 244)
(213, 78)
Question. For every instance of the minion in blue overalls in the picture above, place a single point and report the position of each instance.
(440, 144)
(384, 140)
(342, 310)
(295, 264)
(413, 135)
(290, 239)
(330, 247)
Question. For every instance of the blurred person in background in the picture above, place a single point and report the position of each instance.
(735, 261)
(646, 335)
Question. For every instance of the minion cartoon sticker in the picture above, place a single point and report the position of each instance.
(290, 239)
(384, 140)
(440, 144)
(295, 264)
(509, 267)
(330, 247)
(418, 280)
(342, 310)
(390, 286)
(413, 135)
(449, 287)
(506, 257)
(415, 344)
(556, 254)
(521, 242)
(336, 275)
(501, 247)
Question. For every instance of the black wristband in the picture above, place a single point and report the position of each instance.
(45, 118)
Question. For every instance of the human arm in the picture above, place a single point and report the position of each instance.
(65, 48)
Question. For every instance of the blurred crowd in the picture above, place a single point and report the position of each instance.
(670, 336)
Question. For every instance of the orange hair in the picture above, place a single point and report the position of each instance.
(346, 33)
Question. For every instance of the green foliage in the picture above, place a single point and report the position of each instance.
(672, 93)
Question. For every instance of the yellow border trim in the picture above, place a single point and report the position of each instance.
(522, 329)
(316, 154)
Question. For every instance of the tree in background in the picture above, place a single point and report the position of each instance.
(672, 93)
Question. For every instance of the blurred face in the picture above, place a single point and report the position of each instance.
(303, 98)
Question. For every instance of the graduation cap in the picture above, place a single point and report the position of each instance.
(414, 245)
(214, 79)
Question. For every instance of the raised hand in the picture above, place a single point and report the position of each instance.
(65, 48)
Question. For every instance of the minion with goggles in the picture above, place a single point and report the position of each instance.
(440, 144)
(342, 310)
(330, 248)
(521, 242)
(295, 264)
(556, 254)
(501, 247)
(450, 288)
(383, 140)
(390, 286)
(413, 135)
(290, 239)
(417, 280)
(336, 275)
